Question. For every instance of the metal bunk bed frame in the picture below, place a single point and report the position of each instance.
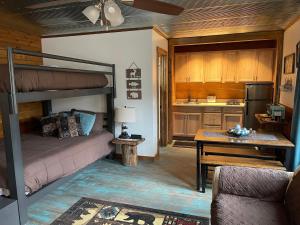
(12, 138)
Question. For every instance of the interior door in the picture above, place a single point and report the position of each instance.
(162, 87)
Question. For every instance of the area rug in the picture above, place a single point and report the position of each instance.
(91, 212)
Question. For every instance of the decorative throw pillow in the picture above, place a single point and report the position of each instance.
(63, 128)
(99, 123)
(49, 125)
(87, 121)
(68, 127)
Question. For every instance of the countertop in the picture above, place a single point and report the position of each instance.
(207, 104)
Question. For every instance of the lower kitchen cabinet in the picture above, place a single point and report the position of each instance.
(231, 120)
(186, 124)
(179, 124)
(212, 119)
(193, 123)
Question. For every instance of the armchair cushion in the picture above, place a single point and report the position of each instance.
(292, 199)
(263, 184)
(231, 209)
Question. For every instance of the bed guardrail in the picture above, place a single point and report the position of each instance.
(12, 66)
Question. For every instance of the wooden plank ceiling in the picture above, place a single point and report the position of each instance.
(200, 17)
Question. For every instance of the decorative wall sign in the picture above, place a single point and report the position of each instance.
(298, 55)
(134, 73)
(134, 82)
(289, 64)
(134, 95)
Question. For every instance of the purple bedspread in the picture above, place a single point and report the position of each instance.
(47, 159)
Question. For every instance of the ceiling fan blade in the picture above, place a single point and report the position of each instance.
(53, 3)
(155, 6)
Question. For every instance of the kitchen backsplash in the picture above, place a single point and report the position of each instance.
(202, 90)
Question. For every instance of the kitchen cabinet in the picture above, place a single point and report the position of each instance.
(188, 119)
(179, 124)
(181, 67)
(186, 124)
(247, 65)
(213, 66)
(195, 67)
(254, 65)
(193, 123)
(212, 119)
(265, 68)
(188, 67)
(229, 66)
(231, 120)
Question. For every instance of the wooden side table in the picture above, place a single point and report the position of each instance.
(129, 150)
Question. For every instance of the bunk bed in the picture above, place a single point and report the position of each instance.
(31, 83)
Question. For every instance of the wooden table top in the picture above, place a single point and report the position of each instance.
(220, 137)
(133, 142)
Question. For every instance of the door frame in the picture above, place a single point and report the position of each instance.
(162, 117)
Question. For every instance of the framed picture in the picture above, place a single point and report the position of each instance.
(289, 64)
(298, 55)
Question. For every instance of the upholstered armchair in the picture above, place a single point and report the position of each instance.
(249, 196)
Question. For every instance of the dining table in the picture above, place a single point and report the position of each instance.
(261, 139)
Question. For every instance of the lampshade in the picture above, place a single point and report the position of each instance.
(92, 13)
(117, 22)
(112, 11)
(125, 115)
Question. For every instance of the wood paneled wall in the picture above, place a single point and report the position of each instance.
(202, 90)
(28, 112)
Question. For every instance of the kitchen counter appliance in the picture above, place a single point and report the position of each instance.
(257, 97)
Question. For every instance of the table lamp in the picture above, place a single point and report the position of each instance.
(123, 116)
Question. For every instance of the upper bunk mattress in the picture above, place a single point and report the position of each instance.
(47, 159)
(40, 80)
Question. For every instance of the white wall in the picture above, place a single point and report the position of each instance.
(122, 49)
(291, 38)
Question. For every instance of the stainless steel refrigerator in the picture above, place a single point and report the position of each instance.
(257, 96)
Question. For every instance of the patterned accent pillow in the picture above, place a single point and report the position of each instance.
(87, 120)
(67, 127)
(49, 125)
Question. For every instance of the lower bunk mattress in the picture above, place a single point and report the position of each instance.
(47, 159)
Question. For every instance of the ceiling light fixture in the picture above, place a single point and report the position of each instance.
(107, 11)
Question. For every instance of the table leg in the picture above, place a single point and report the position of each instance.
(198, 161)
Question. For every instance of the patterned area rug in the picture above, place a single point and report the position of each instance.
(91, 212)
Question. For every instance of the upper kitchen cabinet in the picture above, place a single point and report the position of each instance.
(213, 66)
(265, 70)
(195, 67)
(229, 67)
(247, 65)
(188, 67)
(181, 67)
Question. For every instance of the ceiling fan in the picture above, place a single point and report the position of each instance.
(149, 5)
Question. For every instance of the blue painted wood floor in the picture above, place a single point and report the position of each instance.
(166, 184)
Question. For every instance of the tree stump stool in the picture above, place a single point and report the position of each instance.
(129, 150)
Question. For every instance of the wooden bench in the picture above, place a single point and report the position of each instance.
(217, 160)
(247, 152)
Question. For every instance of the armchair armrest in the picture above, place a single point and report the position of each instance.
(265, 184)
